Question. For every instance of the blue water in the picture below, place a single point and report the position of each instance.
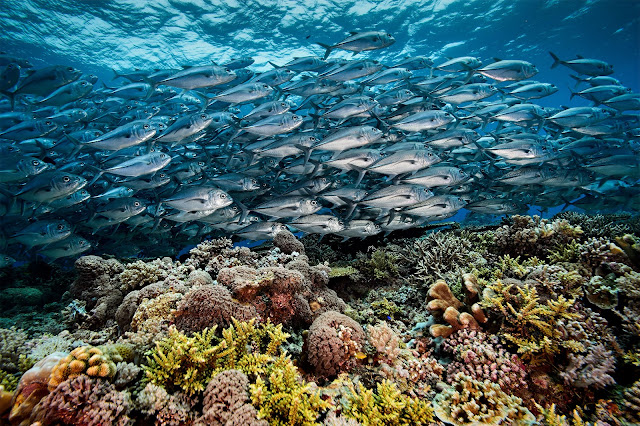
(97, 36)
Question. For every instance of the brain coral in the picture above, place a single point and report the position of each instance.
(332, 343)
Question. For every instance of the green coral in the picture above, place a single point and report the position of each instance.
(182, 362)
(569, 252)
(529, 324)
(283, 398)
(384, 309)
(381, 265)
(386, 406)
(8, 380)
(188, 363)
(344, 271)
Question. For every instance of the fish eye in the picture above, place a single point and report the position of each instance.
(203, 116)
(254, 182)
(35, 162)
(136, 204)
(70, 69)
(223, 196)
(60, 227)
(227, 70)
(314, 203)
(162, 175)
(146, 126)
(389, 35)
(48, 123)
(200, 163)
(312, 138)
(83, 243)
(283, 104)
(66, 179)
(295, 117)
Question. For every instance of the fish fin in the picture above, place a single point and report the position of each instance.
(12, 98)
(327, 48)
(577, 79)
(556, 60)
(274, 65)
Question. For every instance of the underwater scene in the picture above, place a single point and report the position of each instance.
(351, 213)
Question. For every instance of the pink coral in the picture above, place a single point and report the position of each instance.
(84, 401)
(479, 356)
(210, 305)
(226, 401)
(332, 343)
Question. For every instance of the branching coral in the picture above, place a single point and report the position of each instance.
(283, 398)
(532, 236)
(440, 255)
(386, 406)
(188, 363)
(532, 326)
(481, 357)
(473, 402)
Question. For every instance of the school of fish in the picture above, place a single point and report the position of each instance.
(158, 159)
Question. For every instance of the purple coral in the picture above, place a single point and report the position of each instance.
(481, 357)
(591, 369)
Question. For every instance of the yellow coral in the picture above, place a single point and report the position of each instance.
(386, 406)
(87, 360)
(532, 326)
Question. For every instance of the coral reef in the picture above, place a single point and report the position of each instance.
(487, 325)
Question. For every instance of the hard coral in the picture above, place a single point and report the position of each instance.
(472, 402)
(83, 360)
(32, 387)
(386, 406)
(97, 284)
(165, 409)
(592, 369)
(84, 401)
(481, 357)
(444, 303)
(225, 399)
(12, 345)
(210, 306)
(288, 243)
(332, 343)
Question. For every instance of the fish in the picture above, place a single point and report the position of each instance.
(340, 148)
(360, 42)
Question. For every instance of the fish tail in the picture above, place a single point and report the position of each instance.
(577, 79)
(327, 48)
(556, 60)
(11, 96)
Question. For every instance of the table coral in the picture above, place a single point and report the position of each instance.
(479, 403)
(332, 343)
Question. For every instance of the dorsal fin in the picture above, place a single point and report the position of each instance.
(353, 32)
